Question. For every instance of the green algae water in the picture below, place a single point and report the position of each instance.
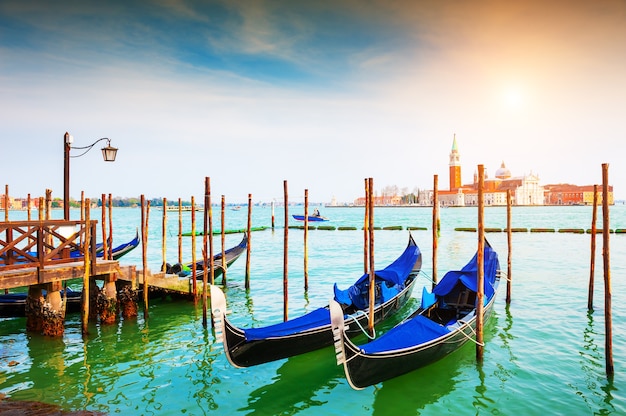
(544, 354)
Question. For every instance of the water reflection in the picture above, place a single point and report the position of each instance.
(504, 370)
(297, 384)
(592, 362)
(410, 393)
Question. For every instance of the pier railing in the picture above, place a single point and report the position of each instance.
(25, 244)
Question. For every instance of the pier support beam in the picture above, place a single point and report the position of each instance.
(127, 297)
(107, 300)
(34, 309)
(53, 311)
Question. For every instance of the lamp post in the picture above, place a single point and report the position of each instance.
(108, 153)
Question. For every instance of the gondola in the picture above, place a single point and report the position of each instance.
(444, 322)
(231, 255)
(253, 346)
(123, 249)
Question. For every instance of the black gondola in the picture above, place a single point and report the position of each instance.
(252, 346)
(231, 255)
(444, 322)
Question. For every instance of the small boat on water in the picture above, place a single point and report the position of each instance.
(444, 322)
(311, 218)
(231, 255)
(245, 347)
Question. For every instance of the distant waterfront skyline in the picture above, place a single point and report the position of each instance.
(320, 94)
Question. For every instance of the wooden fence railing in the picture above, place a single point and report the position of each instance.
(39, 244)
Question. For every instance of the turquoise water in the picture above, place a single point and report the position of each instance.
(544, 354)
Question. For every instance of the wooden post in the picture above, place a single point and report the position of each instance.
(372, 270)
(207, 200)
(608, 320)
(110, 235)
(592, 265)
(249, 241)
(306, 240)
(223, 225)
(208, 218)
(180, 231)
(272, 204)
(366, 227)
(286, 255)
(509, 239)
(87, 264)
(6, 217)
(480, 295)
(435, 226)
(194, 272)
(82, 207)
(145, 210)
(28, 202)
(164, 236)
(6, 202)
(105, 246)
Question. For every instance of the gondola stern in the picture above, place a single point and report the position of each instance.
(337, 325)
(221, 324)
(218, 311)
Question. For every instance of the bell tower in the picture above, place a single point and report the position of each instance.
(455, 167)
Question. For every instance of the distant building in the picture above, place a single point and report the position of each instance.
(525, 189)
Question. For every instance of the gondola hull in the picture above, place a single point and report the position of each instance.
(243, 353)
(253, 346)
(363, 370)
(444, 322)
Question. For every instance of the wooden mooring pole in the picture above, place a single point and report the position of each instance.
(608, 320)
(223, 235)
(145, 214)
(366, 226)
(208, 263)
(87, 264)
(110, 235)
(435, 227)
(592, 265)
(247, 284)
(480, 281)
(105, 245)
(286, 254)
(164, 236)
(194, 271)
(306, 240)
(509, 239)
(180, 231)
(372, 273)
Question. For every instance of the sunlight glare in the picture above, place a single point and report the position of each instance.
(513, 97)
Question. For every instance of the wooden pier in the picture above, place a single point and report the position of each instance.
(42, 252)
(42, 255)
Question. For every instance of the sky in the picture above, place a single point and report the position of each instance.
(321, 94)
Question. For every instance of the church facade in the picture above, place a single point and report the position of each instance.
(525, 189)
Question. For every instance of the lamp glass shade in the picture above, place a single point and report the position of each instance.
(109, 153)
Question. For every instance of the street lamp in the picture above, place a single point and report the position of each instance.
(108, 153)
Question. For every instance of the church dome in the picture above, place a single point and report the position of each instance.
(503, 172)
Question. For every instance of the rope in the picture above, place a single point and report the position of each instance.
(426, 276)
(501, 274)
(356, 320)
(469, 337)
